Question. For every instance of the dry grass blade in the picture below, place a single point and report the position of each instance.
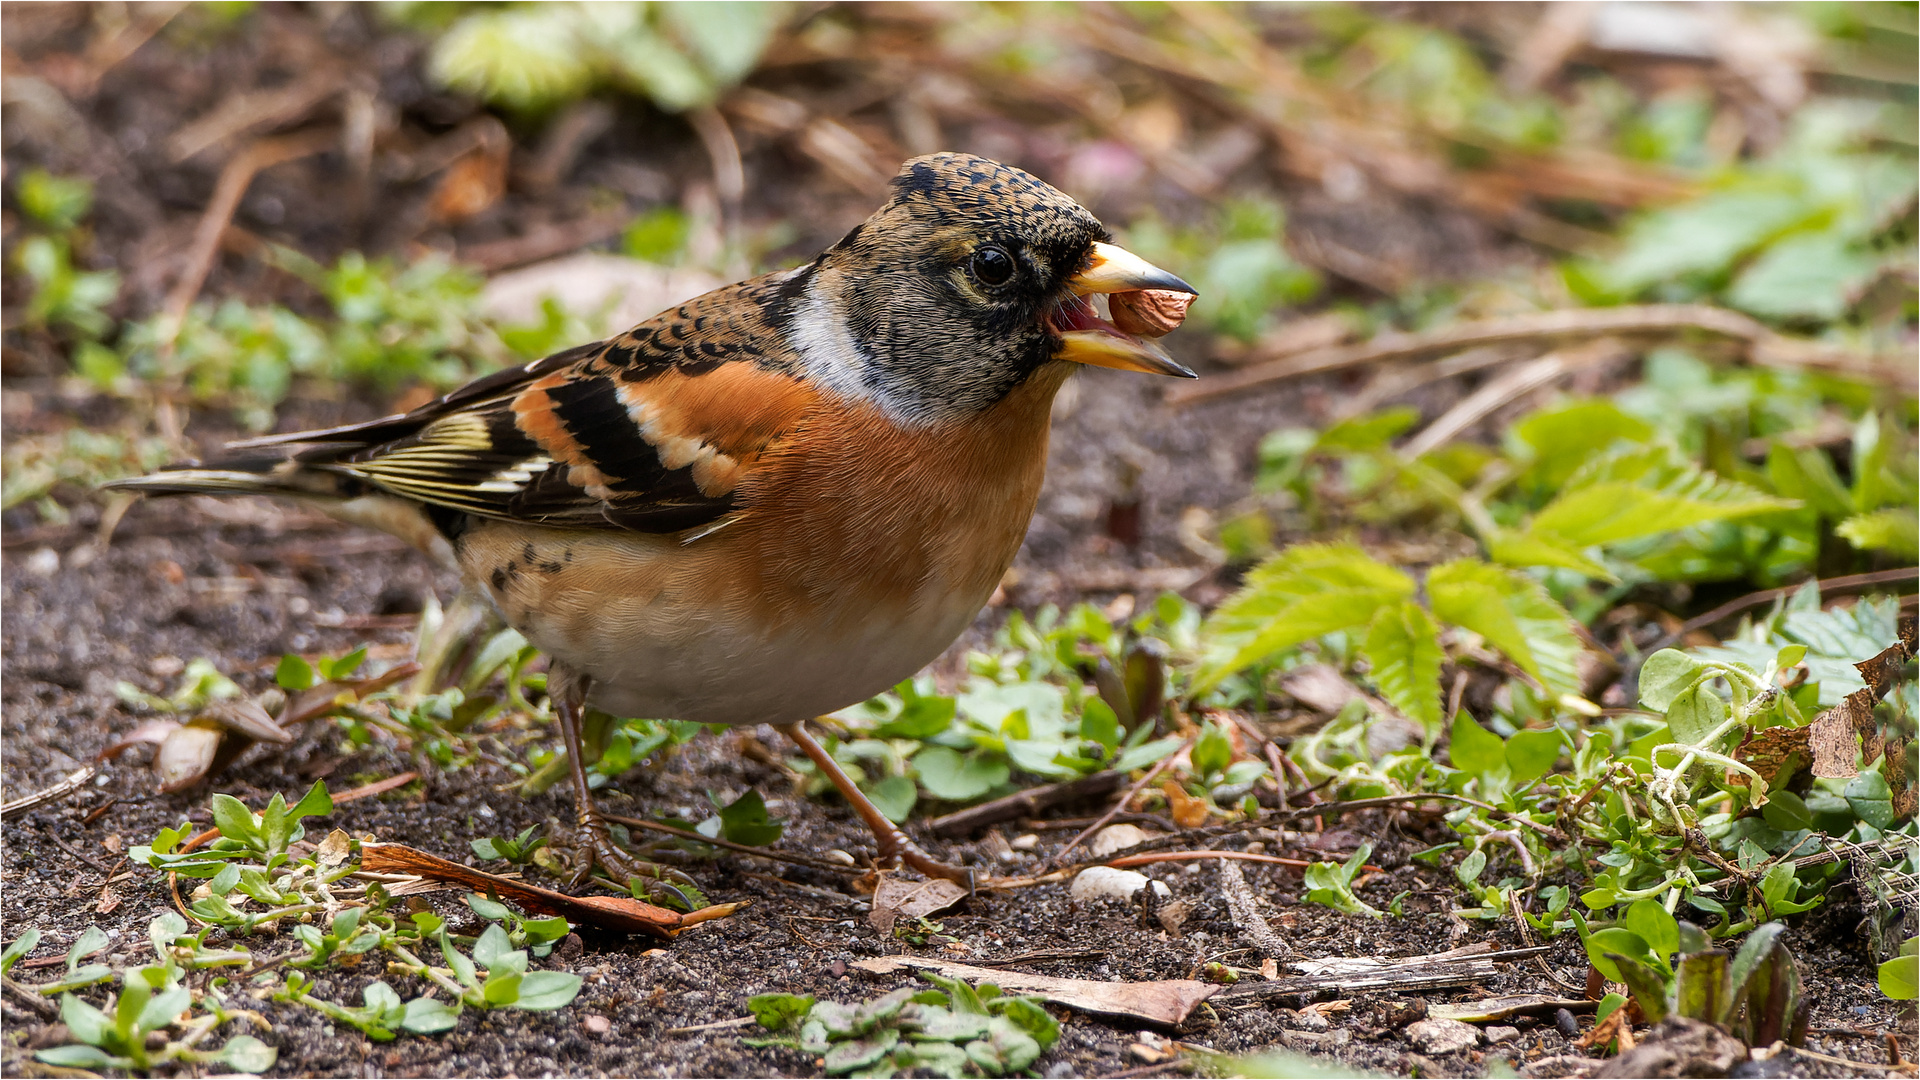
(1765, 346)
(1510, 387)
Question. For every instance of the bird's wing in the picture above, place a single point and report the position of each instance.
(654, 430)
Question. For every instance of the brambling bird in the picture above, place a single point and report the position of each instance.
(774, 501)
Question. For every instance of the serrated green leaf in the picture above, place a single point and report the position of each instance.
(1895, 531)
(520, 57)
(1663, 496)
(1514, 614)
(778, 1012)
(1558, 440)
(1535, 549)
(1403, 655)
(1296, 596)
(1806, 474)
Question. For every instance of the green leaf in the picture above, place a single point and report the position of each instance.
(77, 1057)
(1030, 1017)
(894, 797)
(1895, 531)
(1701, 236)
(541, 991)
(1534, 549)
(21, 946)
(778, 1012)
(85, 1022)
(1649, 986)
(1514, 614)
(1368, 431)
(1806, 474)
(1474, 749)
(1704, 987)
(1814, 275)
(1665, 676)
(235, 821)
(1602, 945)
(1753, 951)
(920, 717)
(425, 1016)
(1403, 654)
(1655, 925)
(482, 906)
(248, 1054)
(294, 673)
(1696, 714)
(1900, 977)
(859, 1053)
(1212, 751)
(946, 774)
(523, 58)
(1531, 754)
(1296, 596)
(1561, 439)
(1871, 799)
(745, 821)
(1146, 754)
(1612, 511)
(1099, 724)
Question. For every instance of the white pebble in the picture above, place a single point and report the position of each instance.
(1107, 883)
(1116, 837)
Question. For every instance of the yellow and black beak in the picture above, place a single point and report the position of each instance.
(1088, 339)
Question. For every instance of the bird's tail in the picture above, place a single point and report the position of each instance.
(260, 474)
(337, 494)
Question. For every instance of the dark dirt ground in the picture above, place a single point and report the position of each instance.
(242, 583)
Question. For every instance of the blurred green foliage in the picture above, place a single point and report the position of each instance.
(533, 56)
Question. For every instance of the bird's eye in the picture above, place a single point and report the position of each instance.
(992, 266)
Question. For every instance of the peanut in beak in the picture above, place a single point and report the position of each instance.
(1149, 313)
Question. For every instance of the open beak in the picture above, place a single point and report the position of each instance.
(1086, 338)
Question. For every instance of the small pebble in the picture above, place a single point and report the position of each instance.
(841, 857)
(44, 562)
(1502, 1034)
(1442, 1036)
(596, 1025)
(1024, 843)
(1307, 1020)
(1566, 1023)
(1107, 883)
(1115, 838)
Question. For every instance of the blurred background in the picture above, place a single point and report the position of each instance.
(226, 217)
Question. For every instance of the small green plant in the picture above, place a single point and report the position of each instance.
(957, 1030)
(1900, 976)
(1332, 883)
(1672, 969)
(132, 1031)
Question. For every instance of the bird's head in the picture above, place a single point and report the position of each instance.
(972, 277)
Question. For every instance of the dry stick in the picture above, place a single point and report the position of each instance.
(1767, 596)
(1246, 918)
(1509, 387)
(1769, 348)
(61, 790)
(1026, 803)
(689, 834)
(1138, 786)
(232, 186)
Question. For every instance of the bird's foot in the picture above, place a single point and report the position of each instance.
(897, 847)
(594, 846)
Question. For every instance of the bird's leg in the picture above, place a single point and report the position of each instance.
(894, 844)
(594, 837)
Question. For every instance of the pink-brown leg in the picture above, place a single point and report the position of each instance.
(894, 844)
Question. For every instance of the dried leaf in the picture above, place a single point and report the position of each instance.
(1776, 754)
(334, 849)
(1835, 734)
(618, 913)
(1187, 811)
(1167, 1001)
(186, 754)
(895, 899)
